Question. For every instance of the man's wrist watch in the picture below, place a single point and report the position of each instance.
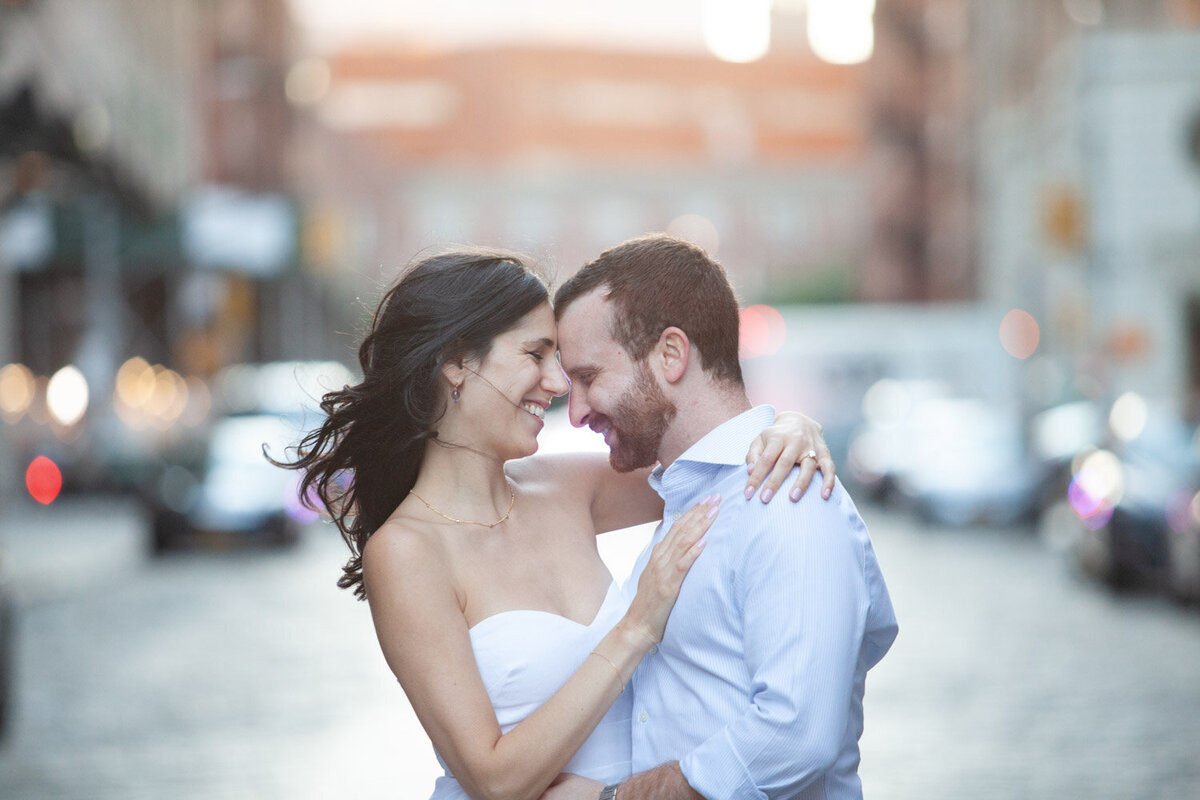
(609, 792)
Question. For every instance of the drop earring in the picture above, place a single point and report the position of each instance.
(454, 395)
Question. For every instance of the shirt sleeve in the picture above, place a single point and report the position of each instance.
(804, 604)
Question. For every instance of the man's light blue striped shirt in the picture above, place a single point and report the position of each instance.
(757, 687)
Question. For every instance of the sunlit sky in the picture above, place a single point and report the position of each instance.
(839, 31)
(657, 24)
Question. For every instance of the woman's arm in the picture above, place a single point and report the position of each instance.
(616, 500)
(424, 636)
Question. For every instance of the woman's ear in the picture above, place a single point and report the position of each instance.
(454, 371)
(673, 351)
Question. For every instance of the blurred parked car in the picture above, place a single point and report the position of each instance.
(1136, 510)
(881, 449)
(219, 489)
(954, 460)
(231, 495)
(968, 465)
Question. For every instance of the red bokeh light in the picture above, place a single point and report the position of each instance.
(763, 331)
(44, 480)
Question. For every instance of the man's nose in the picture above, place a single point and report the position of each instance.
(577, 407)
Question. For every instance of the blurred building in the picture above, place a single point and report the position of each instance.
(921, 165)
(145, 204)
(1042, 155)
(564, 152)
(1090, 185)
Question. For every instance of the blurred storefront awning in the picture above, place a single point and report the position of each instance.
(44, 143)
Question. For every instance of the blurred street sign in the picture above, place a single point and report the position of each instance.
(26, 235)
(224, 228)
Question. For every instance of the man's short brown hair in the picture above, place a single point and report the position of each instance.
(658, 281)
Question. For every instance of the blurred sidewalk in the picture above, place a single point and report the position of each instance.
(72, 544)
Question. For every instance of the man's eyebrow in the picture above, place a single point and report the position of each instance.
(582, 369)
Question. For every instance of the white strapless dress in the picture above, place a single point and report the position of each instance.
(524, 657)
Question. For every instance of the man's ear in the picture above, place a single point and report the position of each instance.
(673, 351)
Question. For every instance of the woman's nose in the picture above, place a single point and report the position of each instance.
(556, 381)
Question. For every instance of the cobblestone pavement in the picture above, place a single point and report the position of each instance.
(249, 675)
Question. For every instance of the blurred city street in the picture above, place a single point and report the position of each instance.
(964, 238)
(230, 675)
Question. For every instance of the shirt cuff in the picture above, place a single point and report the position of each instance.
(714, 770)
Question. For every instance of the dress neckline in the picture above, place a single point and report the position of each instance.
(539, 612)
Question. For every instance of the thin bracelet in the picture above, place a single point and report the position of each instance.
(620, 680)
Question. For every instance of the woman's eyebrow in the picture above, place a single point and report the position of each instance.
(542, 342)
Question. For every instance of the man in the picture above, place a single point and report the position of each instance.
(757, 687)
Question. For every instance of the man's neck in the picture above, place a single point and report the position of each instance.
(697, 416)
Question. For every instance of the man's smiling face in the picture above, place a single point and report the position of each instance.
(610, 392)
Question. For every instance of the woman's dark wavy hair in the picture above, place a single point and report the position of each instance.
(363, 460)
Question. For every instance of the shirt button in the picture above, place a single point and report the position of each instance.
(642, 717)
(653, 649)
(675, 515)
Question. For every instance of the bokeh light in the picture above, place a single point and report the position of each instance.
(17, 388)
(1096, 488)
(148, 395)
(762, 331)
(1094, 513)
(67, 396)
(295, 506)
(1019, 333)
(841, 31)
(44, 480)
(1183, 511)
(1128, 416)
(737, 30)
(135, 383)
(169, 396)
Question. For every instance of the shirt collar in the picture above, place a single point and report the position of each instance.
(724, 445)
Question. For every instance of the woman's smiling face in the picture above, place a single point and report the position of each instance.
(507, 394)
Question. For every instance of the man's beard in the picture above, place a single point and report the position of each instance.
(640, 421)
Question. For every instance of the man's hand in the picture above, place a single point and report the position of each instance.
(568, 786)
(664, 782)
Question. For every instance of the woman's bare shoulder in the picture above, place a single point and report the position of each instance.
(403, 545)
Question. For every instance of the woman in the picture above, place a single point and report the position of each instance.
(490, 601)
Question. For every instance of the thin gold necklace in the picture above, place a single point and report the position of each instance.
(511, 502)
